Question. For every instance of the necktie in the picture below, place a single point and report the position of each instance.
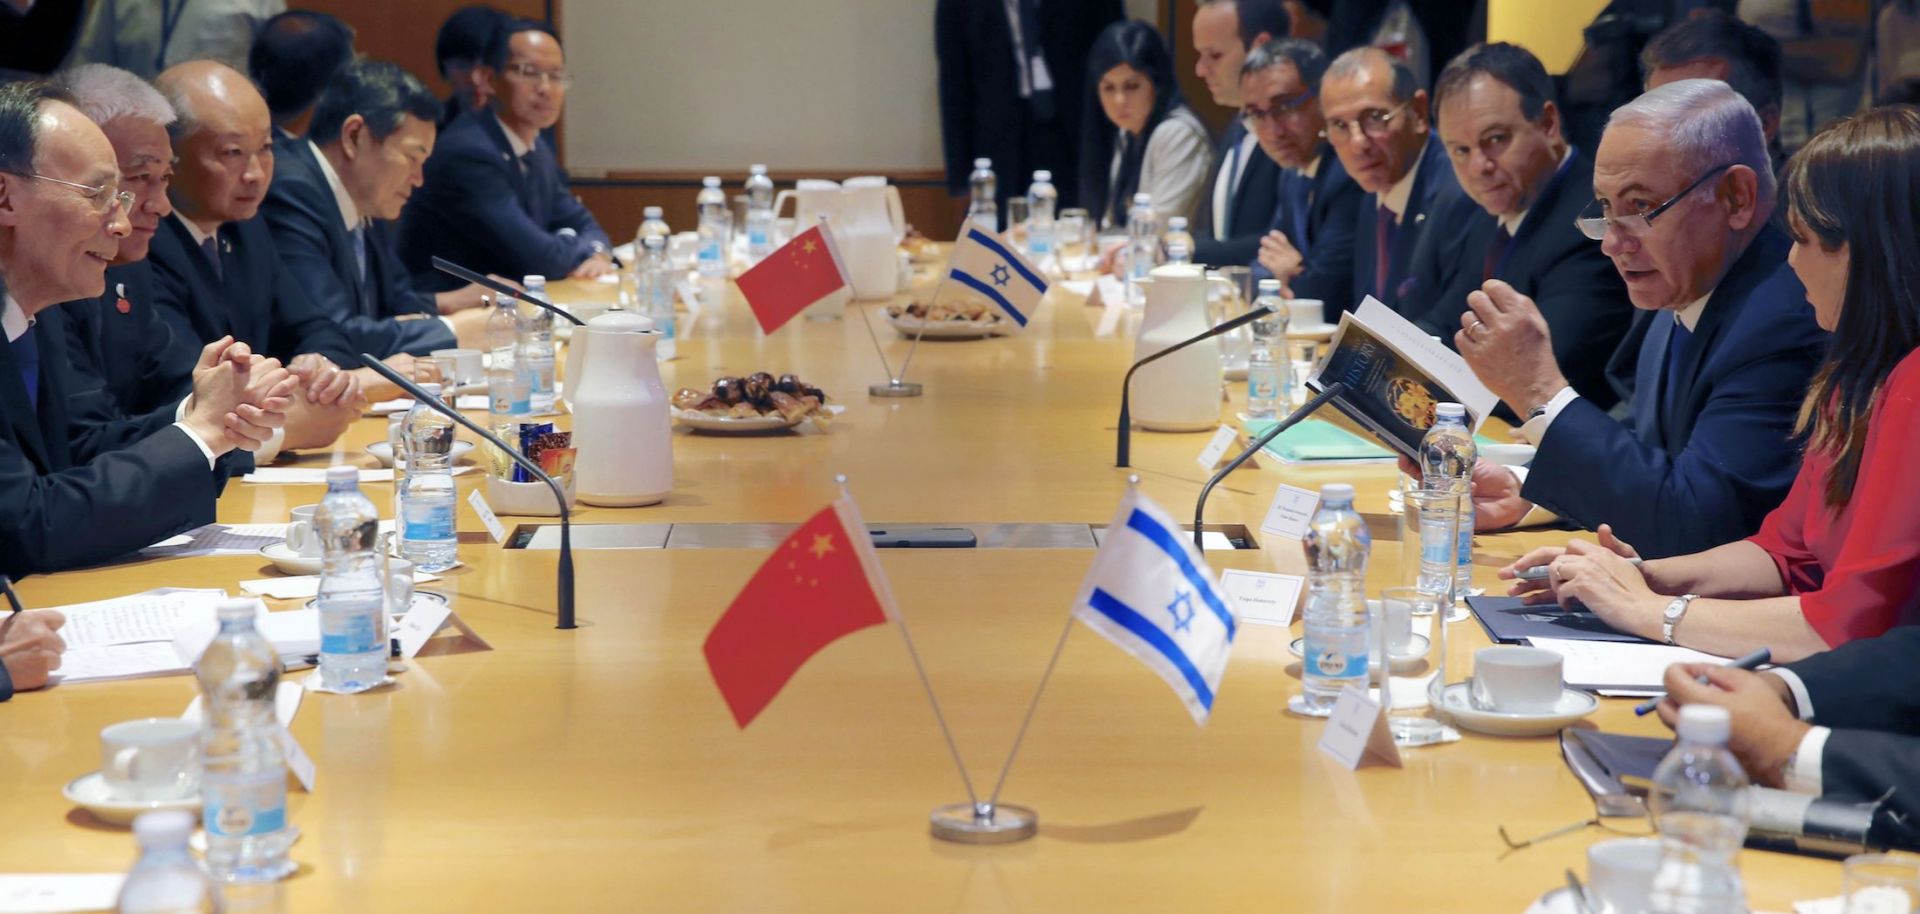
(1496, 252)
(211, 248)
(359, 234)
(26, 354)
(1298, 188)
(1679, 352)
(1383, 231)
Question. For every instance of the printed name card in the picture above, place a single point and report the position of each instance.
(1358, 729)
(423, 621)
(491, 520)
(1290, 512)
(1268, 599)
(1216, 447)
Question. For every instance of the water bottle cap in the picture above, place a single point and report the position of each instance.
(653, 212)
(1705, 724)
(1450, 411)
(238, 608)
(1270, 285)
(710, 181)
(1043, 176)
(757, 169)
(1142, 199)
(532, 280)
(431, 388)
(1177, 224)
(339, 474)
(982, 164)
(163, 829)
(1336, 491)
(654, 241)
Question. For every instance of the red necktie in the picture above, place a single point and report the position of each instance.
(1496, 252)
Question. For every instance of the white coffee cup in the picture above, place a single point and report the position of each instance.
(1305, 312)
(302, 536)
(399, 586)
(1620, 874)
(155, 758)
(1516, 680)
(467, 366)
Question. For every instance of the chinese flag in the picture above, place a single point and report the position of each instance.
(813, 590)
(803, 271)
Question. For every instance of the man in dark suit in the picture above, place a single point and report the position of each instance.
(1716, 363)
(1714, 44)
(1237, 202)
(495, 197)
(291, 60)
(1377, 123)
(1309, 244)
(331, 205)
(1525, 185)
(1843, 724)
(79, 484)
(1013, 87)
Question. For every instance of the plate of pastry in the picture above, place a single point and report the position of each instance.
(755, 404)
(960, 320)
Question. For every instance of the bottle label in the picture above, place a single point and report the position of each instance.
(1332, 664)
(428, 523)
(710, 251)
(757, 237)
(246, 805)
(358, 633)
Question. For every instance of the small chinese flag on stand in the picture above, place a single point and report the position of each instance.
(821, 584)
(798, 274)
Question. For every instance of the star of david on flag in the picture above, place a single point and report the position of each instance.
(1150, 592)
(997, 273)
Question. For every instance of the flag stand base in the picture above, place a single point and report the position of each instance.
(1003, 823)
(895, 388)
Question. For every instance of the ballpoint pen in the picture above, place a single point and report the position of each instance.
(1539, 572)
(13, 600)
(1744, 663)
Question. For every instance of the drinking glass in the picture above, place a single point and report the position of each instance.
(1017, 214)
(1072, 226)
(1237, 344)
(1429, 535)
(1302, 357)
(1881, 883)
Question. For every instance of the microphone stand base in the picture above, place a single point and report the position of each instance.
(895, 389)
(1003, 823)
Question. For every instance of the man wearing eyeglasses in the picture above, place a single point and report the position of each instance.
(1716, 363)
(78, 483)
(1377, 123)
(1309, 247)
(495, 197)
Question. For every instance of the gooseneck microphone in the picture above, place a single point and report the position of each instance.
(453, 269)
(1306, 409)
(564, 613)
(1125, 442)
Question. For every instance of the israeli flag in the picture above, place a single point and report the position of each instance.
(1150, 592)
(996, 271)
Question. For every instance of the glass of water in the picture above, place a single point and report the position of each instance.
(1429, 544)
(1881, 884)
(1072, 226)
(1017, 214)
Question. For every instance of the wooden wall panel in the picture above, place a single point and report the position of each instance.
(403, 30)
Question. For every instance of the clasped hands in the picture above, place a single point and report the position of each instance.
(1597, 575)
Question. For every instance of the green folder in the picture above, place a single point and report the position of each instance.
(1317, 440)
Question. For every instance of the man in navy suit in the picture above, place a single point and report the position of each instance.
(1716, 363)
(1377, 123)
(80, 484)
(495, 198)
(1524, 187)
(1309, 243)
(1237, 206)
(331, 205)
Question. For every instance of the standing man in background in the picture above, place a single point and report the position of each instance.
(1237, 205)
(459, 50)
(147, 36)
(1012, 87)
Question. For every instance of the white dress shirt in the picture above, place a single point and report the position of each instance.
(1227, 182)
(1803, 770)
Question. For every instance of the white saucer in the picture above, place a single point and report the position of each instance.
(383, 451)
(289, 561)
(1558, 901)
(1417, 648)
(89, 792)
(1316, 332)
(1574, 704)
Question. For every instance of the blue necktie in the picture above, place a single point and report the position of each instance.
(1679, 352)
(359, 234)
(211, 247)
(26, 354)
(1293, 201)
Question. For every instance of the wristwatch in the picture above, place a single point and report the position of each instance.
(1676, 611)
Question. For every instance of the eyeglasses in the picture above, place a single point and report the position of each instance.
(1281, 110)
(104, 197)
(1373, 123)
(527, 72)
(1636, 224)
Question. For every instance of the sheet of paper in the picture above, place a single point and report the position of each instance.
(301, 586)
(219, 539)
(1266, 599)
(196, 630)
(470, 401)
(309, 476)
(1358, 729)
(120, 661)
(1216, 447)
(1431, 355)
(298, 761)
(1617, 666)
(1291, 511)
(58, 893)
(488, 519)
(389, 407)
(150, 616)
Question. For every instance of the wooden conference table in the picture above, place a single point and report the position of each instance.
(599, 770)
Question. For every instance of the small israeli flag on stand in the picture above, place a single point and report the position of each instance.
(992, 268)
(1150, 592)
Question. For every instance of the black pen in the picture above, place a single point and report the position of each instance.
(13, 600)
(1745, 663)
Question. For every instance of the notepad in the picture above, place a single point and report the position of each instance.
(1318, 441)
(1617, 668)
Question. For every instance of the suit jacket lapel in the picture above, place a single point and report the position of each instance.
(490, 125)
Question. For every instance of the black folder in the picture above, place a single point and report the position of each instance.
(1507, 620)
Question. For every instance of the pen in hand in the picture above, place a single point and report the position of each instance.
(1748, 662)
(1539, 572)
(13, 600)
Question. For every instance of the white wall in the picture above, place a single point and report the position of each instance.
(719, 84)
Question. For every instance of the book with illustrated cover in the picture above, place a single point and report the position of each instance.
(1395, 376)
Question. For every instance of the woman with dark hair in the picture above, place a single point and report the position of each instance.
(1840, 558)
(1140, 137)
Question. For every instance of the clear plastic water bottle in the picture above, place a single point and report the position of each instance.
(352, 603)
(1266, 378)
(656, 294)
(1700, 804)
(716, 229)
(982, 210)
(243, 784)
(1143, 247)
(1178, 242)
(1336, 649)
(533, 355)
(653, 223)
(166, 879)
(426, 499)
(759, 213)
(1042, 201)
(1446, 462)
